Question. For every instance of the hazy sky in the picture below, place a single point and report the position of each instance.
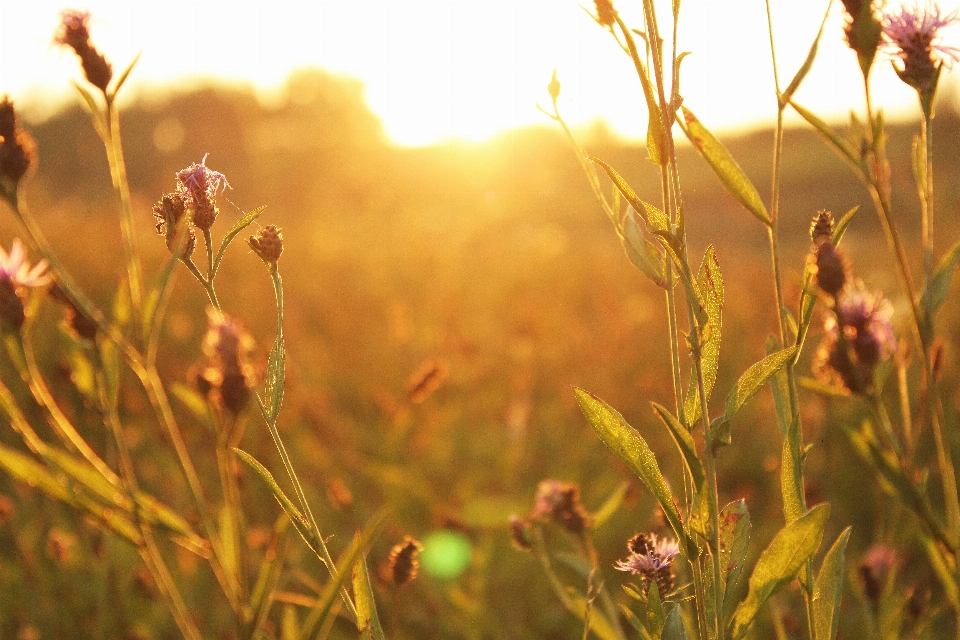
(456, 68)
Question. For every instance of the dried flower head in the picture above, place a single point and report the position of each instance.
(403, 563)
(561, 502)
(198, 185)
(875, 570)
(74, 32)
(868, 338)
(911, 36)
(863, 31)
(227, 346)
(605, 12)
(652, 559)
(17, 150)
(267, 244)
(167, 213)
(821, 227)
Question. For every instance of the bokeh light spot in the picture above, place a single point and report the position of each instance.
(446, 554)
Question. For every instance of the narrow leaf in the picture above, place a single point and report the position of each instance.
(807, 64)
(710, 283)
(683, 439)
(673, 627)
(844, 148)
(658, 220)
(152, 303)
(731, 175)
(936, 290)
(368, 623)
(754, 378)
(92, 108)
(641, 252)
(734, 540)
(841, 226)
(779, 563)
(125, 74)
(635, 622)
(828, 589)
(273, 393)
(228, 237)
(610, 505)
(630, 447)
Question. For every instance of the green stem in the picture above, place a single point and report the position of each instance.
(207, 284)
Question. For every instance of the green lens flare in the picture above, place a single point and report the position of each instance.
(446, 554)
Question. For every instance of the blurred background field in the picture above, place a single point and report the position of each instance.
(491, 261)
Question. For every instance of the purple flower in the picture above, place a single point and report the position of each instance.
(652, 559)
(197, 182)
(15, 268)
(911, 35)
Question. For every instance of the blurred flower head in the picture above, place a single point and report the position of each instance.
(227, 345)
(911, 35)
(862, 30)
(15, 268)
(874, 570)
(74, 32)
(404, 562)
(16, 150)
(561, 502)
(652, 559)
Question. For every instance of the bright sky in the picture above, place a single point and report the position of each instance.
(442, 69)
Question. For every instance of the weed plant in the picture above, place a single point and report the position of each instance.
(692, 571)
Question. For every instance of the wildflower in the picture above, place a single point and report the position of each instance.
(652, 559)
(863, 318)
(911, 35)
(16, 150)
(198, 185)
(520, 533)
(267, 244)
(404, 562)
(73, 32)
(862, 31)
(16, 275)
(560, 501)
(227, 345)
(875, 570)
(168, 212)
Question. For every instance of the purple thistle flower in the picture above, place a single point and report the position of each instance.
(199, 183)
(911, 36)
(652, 560)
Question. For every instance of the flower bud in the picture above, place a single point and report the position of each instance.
(267, 243)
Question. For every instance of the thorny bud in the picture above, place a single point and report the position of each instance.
(911, 36)
(874, 570)
(403, 563)
(168, 212)
(863, 31)
(560, 501)
(554, 87)
(652, 559)
(227, 345)
(520, 533)
(17, 150)
(267, 244)
(73, 32)
(605, 12)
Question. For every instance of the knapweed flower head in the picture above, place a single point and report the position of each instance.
(167, 214)
(404, 562)
(74, 32)
(863, 319)
(911, 35)
(16, 150)
(652, 559)
(16, 275)
(199, 185)
(227, 345)
(875, 569)
(267, 244)
(560, 501)
(863, 31)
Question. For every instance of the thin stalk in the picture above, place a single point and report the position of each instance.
(272, 426)
(207, 284)
(118, 172)
(231, 500)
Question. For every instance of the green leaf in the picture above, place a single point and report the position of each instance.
(734, 540)
(754, 378)
(609, 506)
(673, 627)
(656, 132)
(805, 67)
(630, 447)
(710, 283)
(368, 623)
(96, 114)
(124, 75)
(228, 237)
(635, 622)
(299, 522)
(841, 226)
(781, 393)
(195, 403)
(731, 175)
(828, 589)
(656, 616)
(683, 439)
(779, 563)
(651, 214)
(273, 393)
(936, 291)
(641, 252)
(789, 473)
(844, 148)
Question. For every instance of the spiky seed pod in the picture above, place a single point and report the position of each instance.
(863, 31)
(403, 563)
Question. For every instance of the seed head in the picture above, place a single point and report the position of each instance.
(561, 502)
(167, 213)
(74, 32)
(605, 12)
(17, 150)
(403, 563)
(911, 36)
(267, 243)
(652, 559)
(862, 31)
